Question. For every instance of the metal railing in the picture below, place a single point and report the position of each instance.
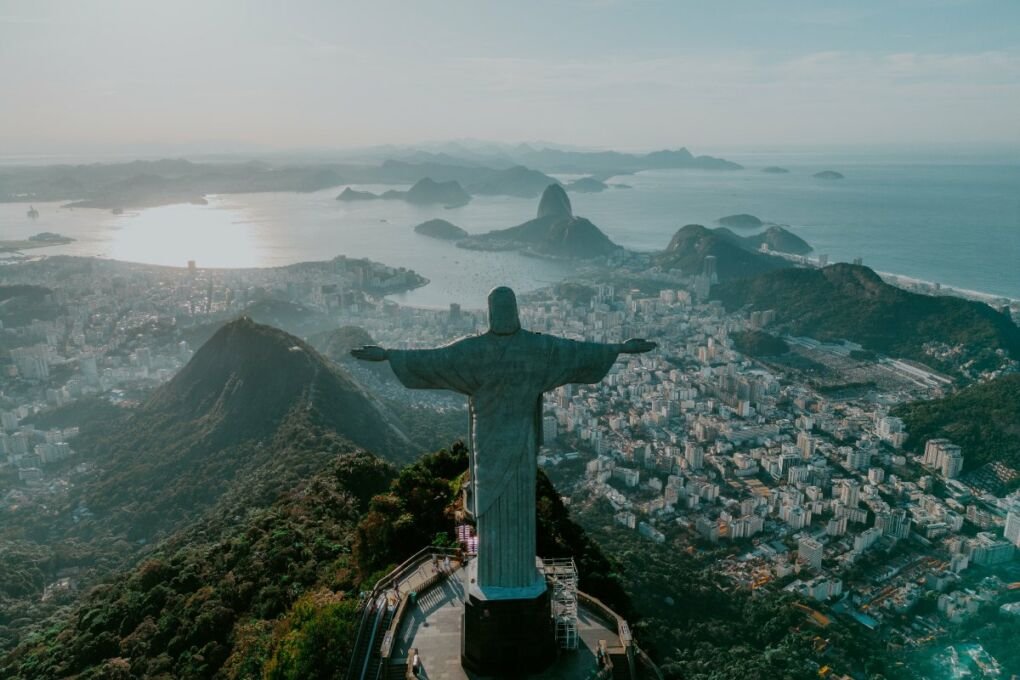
(374, 603)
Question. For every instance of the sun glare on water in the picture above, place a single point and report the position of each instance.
(213, 236)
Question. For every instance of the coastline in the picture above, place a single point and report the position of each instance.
(902, 281)
(935, 288)
(916, 285)
(18, 245)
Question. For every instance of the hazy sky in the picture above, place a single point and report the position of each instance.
(627, 74)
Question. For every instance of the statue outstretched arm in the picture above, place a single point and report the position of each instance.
(572, 361)
(443, 368)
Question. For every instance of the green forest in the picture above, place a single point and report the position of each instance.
(984, 419)
(844, 301)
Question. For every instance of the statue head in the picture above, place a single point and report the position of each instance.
(503, 318)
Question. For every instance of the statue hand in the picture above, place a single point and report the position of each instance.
(369, 353)
(637, 346)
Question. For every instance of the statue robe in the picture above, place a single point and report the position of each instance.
(504, 376)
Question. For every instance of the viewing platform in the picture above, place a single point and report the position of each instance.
(418, 608)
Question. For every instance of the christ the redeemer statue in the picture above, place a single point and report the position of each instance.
(504, 372)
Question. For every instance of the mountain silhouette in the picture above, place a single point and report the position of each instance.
(555, 231)
(735, 259)
(237, 414)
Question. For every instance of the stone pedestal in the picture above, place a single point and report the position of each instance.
(506, 636)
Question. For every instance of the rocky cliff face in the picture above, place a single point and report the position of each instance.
(554, 202)
(554, 232)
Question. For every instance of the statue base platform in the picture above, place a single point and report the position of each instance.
(507, 636)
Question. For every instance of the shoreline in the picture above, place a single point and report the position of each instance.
(902, 281)
(914, 284)
(18, 245)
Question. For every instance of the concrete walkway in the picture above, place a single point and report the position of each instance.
(433, 627)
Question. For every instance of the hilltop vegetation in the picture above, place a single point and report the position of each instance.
(210, 598)
(255, 412)
(759, 344)
(984, 419)
(208, 427)
(270, 590)
(19, 305)
(852, 302)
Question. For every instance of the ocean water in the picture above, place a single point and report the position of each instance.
(957, 224)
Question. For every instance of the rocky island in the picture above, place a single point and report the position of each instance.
(555, 232)
(775, 170)
(427, 191)
(587, 185)
(741, 221)
(350, 194)
(828, 174)
(441, 229)
(779, 240)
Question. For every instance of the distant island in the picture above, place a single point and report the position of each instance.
(350, 194)
(741, 221)
(609, 163)
(146, 184)
(41, 240)
(555, 232)
(441, 229)
(778, 239)
(425, 191)
(775, 170)
(586, 185)
(828, 174)
(49, 237)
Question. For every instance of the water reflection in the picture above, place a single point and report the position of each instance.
(274, 229)
(213, 236)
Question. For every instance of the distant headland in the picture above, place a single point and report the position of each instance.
(425, 191)
(511, 172)
(43, 239)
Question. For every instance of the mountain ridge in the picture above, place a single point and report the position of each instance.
(210, 423)
(692, 243)
(853, 302)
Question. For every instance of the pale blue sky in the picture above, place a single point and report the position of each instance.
(98, 74)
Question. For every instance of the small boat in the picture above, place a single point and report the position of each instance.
(33, 214)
